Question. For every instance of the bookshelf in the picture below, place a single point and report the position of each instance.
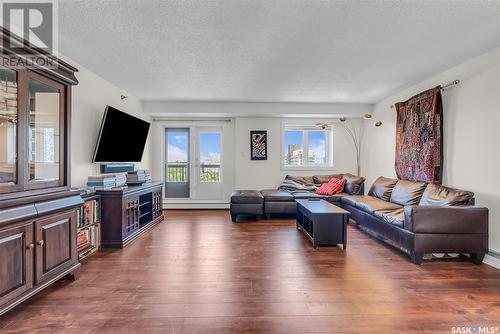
(89, 226)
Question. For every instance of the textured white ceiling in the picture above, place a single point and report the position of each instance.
(308, 51)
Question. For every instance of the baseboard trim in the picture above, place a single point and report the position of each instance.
(196, 206)
(492, 259)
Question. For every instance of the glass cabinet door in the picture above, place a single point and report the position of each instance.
(8, 129)
(45, 137)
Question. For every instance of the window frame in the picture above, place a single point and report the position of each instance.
(306, 129)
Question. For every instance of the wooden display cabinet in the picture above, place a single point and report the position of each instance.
(37, 208)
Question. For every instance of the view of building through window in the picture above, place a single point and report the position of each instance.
(304, 147)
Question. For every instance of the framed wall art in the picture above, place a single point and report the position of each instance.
(258, 145)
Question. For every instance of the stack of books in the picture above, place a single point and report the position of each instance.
(87, 240)
(89, 214)
(108, 181)
(139, 176)
(88, 232)
(102, 182)
(120, 179)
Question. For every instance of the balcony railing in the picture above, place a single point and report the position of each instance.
(209, 172)
(178, 172)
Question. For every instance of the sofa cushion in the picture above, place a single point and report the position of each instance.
(350, 199)
(407, 192)
(353, 183)
(274, 195)
(247, 197)
(336, 197)
(306, 195)
(393, 217)
(440, 195)
(382, 188)
(307, 180)
(369, 204)
(320, 179)
(372, 204)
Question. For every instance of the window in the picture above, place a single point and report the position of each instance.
(306, 147)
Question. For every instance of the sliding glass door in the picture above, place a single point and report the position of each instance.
(177, 180)
(208, 172)
(193, 163)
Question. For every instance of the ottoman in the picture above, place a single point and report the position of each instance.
(278, 202)
(247, 202)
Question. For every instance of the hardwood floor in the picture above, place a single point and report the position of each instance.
(199, 273)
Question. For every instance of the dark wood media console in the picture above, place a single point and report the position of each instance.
(127, 214)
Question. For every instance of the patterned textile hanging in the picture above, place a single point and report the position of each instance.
(419, 137)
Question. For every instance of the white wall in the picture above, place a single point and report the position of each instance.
(268, 173)
(471, 133)
(253, 109)
(246, 116)
(89, 100)
(261, 174)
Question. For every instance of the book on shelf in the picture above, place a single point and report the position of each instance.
(88, 233)
(88, 240)
(89, 214)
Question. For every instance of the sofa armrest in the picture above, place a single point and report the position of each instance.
(446, 219)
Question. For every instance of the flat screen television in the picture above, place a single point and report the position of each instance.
(122, 137)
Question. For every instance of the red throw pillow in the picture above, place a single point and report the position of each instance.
(331, 188)
(334, 180)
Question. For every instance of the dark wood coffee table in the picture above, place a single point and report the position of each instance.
(324, 223)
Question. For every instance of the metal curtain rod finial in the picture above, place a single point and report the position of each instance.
(443, 87)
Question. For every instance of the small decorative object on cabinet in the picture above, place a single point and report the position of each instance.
(89, 227)
(38, 211)
(258, 145)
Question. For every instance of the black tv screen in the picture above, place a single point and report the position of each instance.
(122, 137)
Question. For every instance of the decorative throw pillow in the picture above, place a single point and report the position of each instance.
(334, 186)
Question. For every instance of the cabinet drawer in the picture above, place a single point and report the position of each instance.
(55, 244)
(16, 261)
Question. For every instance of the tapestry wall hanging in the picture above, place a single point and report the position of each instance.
(258, 145)
(419, 135)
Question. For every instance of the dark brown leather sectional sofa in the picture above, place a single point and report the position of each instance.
(419, 218)
(422, 218)
(276, 201)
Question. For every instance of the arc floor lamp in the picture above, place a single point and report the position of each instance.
(353, 133)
